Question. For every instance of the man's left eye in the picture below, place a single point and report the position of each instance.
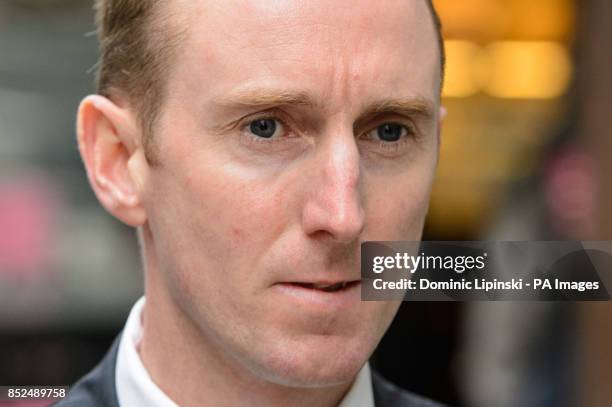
(389, 132)
(265, 128)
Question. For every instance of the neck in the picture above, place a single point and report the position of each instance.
(189, 367)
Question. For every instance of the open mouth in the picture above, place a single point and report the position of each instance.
(330, 288)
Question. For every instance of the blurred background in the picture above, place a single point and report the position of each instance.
(525, 156)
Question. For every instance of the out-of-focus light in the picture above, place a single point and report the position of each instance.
(462, 69)
(479, 20)
(528, 69)
(507, 69)
(541, 19)
(494, 20)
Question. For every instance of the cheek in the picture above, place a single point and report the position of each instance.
(218, 217)
(249, 214)
(211, 226)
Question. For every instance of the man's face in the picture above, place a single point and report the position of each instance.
(291, 133)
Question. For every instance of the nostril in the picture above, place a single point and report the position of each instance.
(347, 226)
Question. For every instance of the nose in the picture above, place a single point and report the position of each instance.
(333, 205)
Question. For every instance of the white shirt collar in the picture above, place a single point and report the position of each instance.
(136, 388)
(132, 381)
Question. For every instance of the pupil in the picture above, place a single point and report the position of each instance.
(390, 132)
(263, 127)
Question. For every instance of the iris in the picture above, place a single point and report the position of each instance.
(263, 127)
(390, 132)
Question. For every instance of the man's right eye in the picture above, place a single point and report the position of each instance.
(265, 128)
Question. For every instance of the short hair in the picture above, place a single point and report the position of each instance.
(438, 28)
(136, 43)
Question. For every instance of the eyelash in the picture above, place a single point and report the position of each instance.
(251, 138)
(392, 146)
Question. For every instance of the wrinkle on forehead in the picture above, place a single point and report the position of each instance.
(342, 49)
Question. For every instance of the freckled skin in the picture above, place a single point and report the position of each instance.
(227, 219)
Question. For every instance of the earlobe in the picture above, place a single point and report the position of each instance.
(442, 114)
(108, 139)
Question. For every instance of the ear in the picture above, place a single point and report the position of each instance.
(441, 116)
(109, 141)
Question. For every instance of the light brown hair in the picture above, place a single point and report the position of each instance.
(136, 45)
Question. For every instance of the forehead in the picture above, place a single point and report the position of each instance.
(338, 51)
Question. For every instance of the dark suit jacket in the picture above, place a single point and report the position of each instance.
(97, 389)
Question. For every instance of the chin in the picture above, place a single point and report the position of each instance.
(321, 361)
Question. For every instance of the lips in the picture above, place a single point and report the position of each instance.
(326, 287)
(320, 297)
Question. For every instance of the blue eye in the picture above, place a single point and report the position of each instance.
(264, 128)
(390, 132)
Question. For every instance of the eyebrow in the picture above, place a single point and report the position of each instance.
(262, 97)
(413, 106)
